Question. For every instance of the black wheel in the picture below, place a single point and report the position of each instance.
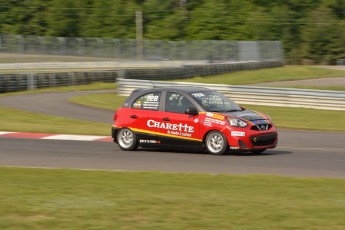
(127, 139)
(258, 151)
(216, 143)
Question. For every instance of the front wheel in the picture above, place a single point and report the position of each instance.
(127, 140)
(216, 143)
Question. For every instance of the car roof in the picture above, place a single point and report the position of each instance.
(186, 89)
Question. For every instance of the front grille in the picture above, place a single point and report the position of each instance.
(262, 127)
(260, 124)
(263, 140)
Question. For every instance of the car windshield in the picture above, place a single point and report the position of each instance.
(214, 101)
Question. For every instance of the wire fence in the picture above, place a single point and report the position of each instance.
(120, 48)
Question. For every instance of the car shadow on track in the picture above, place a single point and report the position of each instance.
(200, 152)
(266, 153)
(165, 150)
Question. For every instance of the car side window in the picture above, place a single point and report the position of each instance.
(148, 101)
(177, 103)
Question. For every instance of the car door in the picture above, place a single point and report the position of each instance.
(144, 109)
(180, 128)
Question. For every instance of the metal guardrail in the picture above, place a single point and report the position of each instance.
(341, 62)
(175, 70)
(17, 82)
(286, 97)
(194, 70)
(99, 64)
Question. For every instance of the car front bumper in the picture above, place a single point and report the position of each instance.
(240, 139)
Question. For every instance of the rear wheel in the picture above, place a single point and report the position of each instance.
(127, 140)
(216, 143)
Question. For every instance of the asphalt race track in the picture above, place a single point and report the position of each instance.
(299, 153)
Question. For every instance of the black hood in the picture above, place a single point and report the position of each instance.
(246, 114)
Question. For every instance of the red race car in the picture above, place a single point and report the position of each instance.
(190, 118)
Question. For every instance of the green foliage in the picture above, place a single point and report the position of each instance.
(310, 29)
(324, 42)
(338, 8)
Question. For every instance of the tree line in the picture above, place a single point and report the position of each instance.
(311, 30)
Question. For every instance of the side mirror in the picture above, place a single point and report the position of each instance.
(191, 111)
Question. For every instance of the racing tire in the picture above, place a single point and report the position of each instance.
(127, 140)
(216, 143)
(258, 151)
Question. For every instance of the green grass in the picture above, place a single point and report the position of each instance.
(293, 118)
(301, 118)
(285, 73)
(76, 199)
(23, 121)
(336, 88)
(109, 101)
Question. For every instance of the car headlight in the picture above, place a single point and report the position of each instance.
(269, 118)
(237, 122)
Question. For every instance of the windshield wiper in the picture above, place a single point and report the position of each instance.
(224, 111)
(233, 110)
(217, 111)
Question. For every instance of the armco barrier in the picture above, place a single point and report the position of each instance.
(287, 97)
(16, 82)
(202, 70)
(220, 68)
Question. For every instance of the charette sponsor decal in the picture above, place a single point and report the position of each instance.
(174, 129)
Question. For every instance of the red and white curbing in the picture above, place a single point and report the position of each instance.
(49, 136)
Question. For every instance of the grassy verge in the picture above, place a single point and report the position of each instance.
(294, 118)
(285, 73)
(23, 121)
(301, 118)
(336, 88)
(109, 101)
(74, 199)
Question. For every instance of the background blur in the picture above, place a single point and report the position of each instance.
(311, 31)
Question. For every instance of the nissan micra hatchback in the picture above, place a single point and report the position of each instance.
(190, 118)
